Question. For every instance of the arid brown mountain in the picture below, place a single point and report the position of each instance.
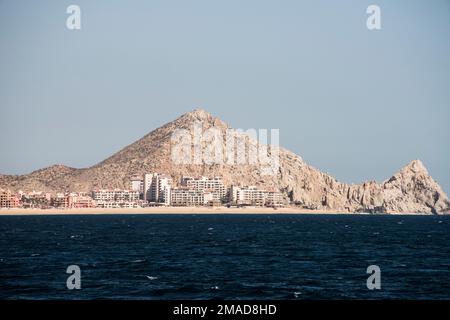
(410, 190)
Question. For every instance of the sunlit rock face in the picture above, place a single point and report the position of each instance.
(411, 190)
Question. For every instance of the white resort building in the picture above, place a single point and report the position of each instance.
(137, 184)
(116, 198)
(254, 196)
(157, 188)
(204, 184)
(186, 196)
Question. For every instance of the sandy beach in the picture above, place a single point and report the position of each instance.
(167, 210)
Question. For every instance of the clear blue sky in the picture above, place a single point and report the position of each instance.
(358, 104)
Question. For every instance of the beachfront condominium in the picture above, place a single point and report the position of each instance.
(36, 199)
(60, 200)
(80, 200)
(186, 196)
(115, 195)
(8, 199)
(116, 198)
(5, 195)
(157, 188)
(251, 195)
(72, 200)
(274, 199)
(137, 184)
(204, 184)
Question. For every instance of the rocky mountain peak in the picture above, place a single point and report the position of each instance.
(416, 167)
(199, 113)
(187, 120)
(412, 189)
(415, 170)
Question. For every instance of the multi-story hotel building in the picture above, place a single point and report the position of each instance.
(5, 195)
(275, 199)
(8, 200)
(137, 184)
(39, 195)
(254, 196)
(247, 195)
(204, 184)
(72, 200)
(61, 200)
(115, 195)
(80, 200)
(186, 196)
(35, 199)
(104, 195)
(157, 188)
(116, 198)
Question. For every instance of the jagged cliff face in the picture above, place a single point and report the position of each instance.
(410, 190)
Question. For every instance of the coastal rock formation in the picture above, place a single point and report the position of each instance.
(411, 190)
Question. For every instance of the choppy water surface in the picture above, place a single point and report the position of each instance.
(224, 256)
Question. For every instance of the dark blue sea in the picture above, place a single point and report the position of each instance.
(224, 256)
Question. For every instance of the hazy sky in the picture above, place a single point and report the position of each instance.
(358, 104)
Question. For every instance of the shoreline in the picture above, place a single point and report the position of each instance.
(180, 210)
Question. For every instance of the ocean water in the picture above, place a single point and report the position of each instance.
(224, 256)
